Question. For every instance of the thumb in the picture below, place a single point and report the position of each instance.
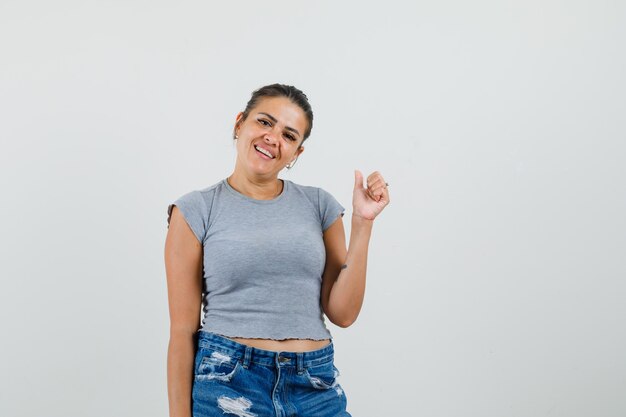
(358, 179)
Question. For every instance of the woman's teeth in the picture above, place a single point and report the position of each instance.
(263, 151)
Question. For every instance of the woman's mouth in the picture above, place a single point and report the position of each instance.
(261, 154)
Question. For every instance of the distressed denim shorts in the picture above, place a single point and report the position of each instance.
(233, 379)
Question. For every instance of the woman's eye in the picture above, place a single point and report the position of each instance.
(290, 137)
(264, 122)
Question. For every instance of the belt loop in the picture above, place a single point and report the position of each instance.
(247, 357)
(300, 362)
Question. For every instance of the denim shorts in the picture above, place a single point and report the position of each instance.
(234, 379)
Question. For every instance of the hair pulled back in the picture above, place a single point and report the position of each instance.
(281, 90)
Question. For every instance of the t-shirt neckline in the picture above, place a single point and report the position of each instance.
(253, 200)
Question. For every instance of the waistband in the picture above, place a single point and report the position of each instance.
(247, 354)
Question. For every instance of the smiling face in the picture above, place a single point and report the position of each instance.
(275, 126)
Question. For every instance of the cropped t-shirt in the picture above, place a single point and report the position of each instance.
(263, 259)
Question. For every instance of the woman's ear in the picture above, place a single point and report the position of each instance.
(238, 121)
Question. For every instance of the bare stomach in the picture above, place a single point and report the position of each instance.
(288, 345)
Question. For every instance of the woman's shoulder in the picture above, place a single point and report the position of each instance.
(312, 191)
(210, 189)
(203, 195)
(309, 189)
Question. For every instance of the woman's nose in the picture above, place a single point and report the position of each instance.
(270, 137)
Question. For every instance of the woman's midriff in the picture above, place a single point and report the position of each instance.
(288, 345)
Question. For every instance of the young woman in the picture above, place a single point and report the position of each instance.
(267, 257)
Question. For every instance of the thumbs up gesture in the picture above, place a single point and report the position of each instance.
(368, 202)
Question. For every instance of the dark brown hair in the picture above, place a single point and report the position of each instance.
(281, 90)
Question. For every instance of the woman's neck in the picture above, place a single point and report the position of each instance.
(259, 190)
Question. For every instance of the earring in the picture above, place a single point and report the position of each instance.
(236, 137)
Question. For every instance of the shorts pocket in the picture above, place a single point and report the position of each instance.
(322, 376)
(214, 364)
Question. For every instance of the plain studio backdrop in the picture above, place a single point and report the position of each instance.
(495, 282)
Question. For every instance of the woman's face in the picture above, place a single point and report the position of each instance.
(277, 126)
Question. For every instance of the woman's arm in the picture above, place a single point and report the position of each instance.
(343, 281)
(183, 268)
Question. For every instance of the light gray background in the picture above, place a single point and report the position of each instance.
(496, 275)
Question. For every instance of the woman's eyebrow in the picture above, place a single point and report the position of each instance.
(273, 119)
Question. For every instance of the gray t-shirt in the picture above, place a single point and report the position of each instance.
(263, 259)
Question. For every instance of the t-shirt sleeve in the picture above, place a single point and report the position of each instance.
(330, 209)
(193, 208)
